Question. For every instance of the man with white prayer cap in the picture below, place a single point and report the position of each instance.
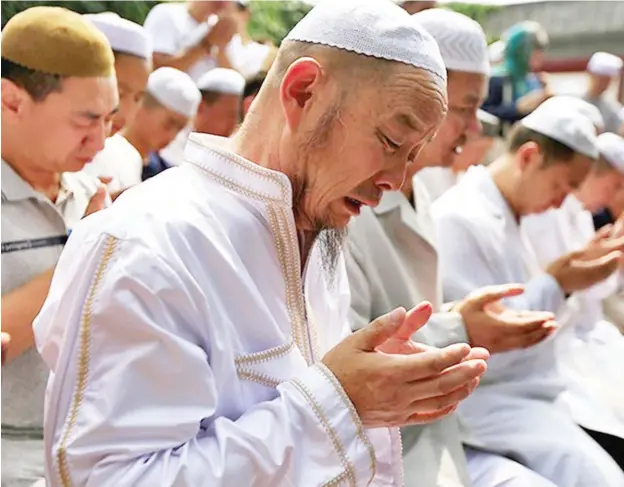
(58, 98)
(592, 355)
(215, 295)
(392, 261)
(516, 410)
(219, 110)
(603, 68)
(168, 106)
(132, 48)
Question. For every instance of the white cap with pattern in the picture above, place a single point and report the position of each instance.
(611, 147)
(564, 125)
(376, 28)
(174, 90)
(461, 40)
(222, 80)
(124, 36)
(605, 64)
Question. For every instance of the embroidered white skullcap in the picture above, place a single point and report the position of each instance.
(123, 35)
(564, 125)
(174, 90)
(461, 40)
(222, 80)
(581, 106)
(376, 28)
(605, 64)
(611, 147)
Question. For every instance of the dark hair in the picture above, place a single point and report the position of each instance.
(209, 97)
(36, 83)
(253, 85)
(553, 150)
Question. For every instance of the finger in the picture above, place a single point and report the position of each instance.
(601, 268)
(105, 179)
(379, 331)
(521, 324)
(615, 243)
(419, 418)
(495, 293)
(603, 232)
(431, 363)
(415, 319)
(528, 339)
(433, 404)
(477, 353)
(456, 377)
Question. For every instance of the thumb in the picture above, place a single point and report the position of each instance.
(379, 331)
(105, 179)
(489, 294)
(97, 201)
(415, 319)
(603, 232)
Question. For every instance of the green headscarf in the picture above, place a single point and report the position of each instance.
(520, 42)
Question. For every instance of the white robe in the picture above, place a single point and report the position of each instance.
(185, 343)
(592, 357)
(118, 160)
(437, 180)
(514, 410)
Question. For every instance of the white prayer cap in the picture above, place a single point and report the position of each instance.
(222, 80)
(581, 106)
(604, 64)
(564, 125)
(461, 40)
(174, 90)
(611, 147)
(123, 35)
(376, 28)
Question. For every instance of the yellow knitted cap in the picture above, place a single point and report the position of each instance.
(57, 41)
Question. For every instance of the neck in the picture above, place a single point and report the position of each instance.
(42, 180)
(408, 185)
(506, 181)
(137, 142)
(593, 92)
(196, 10)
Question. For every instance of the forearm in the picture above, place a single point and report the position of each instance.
(19, 309)
(223, 61)
(307, 436)
(183, 60)
(542, 293)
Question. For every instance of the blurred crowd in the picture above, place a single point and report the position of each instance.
(507, 216)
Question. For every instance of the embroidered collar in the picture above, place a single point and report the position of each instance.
(210, 154)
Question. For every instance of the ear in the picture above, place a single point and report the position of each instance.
(297, 89)
(14, 98)
(529, 154)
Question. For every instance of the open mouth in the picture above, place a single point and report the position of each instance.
(353, 205)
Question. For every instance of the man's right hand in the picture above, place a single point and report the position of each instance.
(97, 201)
(393, 381)
(221, 33)
(582, 269)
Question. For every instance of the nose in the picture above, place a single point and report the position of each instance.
(474, 127)
(392, 179)
(100, 132)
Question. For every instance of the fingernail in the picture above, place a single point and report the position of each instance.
(396, 315)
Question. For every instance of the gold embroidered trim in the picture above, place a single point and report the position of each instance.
(303, 390)
(354, 417)
(237, 188)
(335, 482)
(259, 377)
(265, 355)
(83, 361)
(288, 255)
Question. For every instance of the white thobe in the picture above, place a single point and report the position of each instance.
(437, 180)
(118, 160)
(514, 409)
(592, 356)
(392, 261)
(185, 344)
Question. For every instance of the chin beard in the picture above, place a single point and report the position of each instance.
(331, 241)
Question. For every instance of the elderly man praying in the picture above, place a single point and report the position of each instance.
(197, 330)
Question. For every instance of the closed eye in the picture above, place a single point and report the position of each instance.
(389, 143)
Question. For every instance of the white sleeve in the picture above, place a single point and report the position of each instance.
(361, 296)
(468, 263)
(135, 400)
(446, 329)
(162, 31)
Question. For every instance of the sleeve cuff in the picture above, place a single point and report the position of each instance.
(551, 297)
(447, 328)
(338, 418)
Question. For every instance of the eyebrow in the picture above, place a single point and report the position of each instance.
(97, 116)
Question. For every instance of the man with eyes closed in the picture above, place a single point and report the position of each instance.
(59, 95)
(392, 261)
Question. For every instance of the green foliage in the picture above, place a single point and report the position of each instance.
(273, 20)
(132, 10)
(475, 11)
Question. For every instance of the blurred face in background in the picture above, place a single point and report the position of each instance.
(132, 73)
(218, 114)
(536, 62)
(155, 126)
(466, 92)
(600, 187)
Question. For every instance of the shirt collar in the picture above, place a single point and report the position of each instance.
(211, 154)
